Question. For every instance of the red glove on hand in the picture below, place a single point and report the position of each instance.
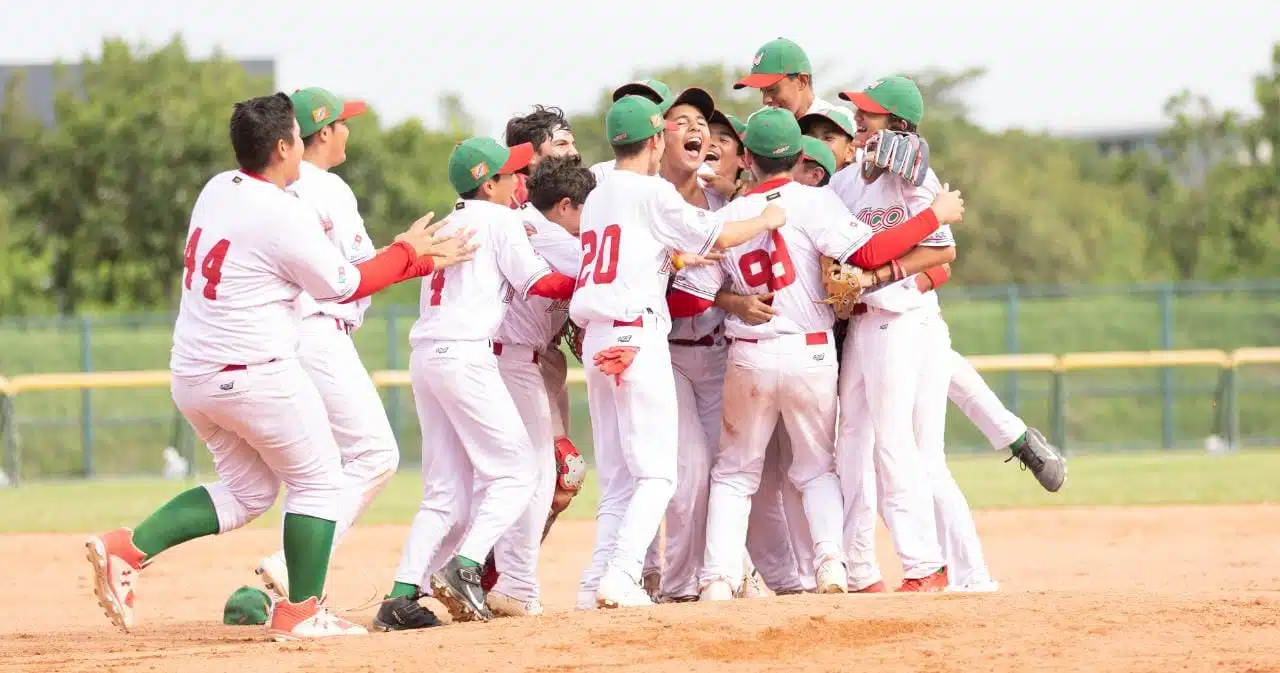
(615, 360)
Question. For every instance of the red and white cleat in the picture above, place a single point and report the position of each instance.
(307, 620)
(116, 564)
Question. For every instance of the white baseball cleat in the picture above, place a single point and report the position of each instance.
(832, 576)
(503, 605)
(308, 620)
(717, 590)
(586, 601)
(753, 586)
(274, 574)
(980, 585)
(618, 590)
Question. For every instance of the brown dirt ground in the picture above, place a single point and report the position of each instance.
(1097, 590)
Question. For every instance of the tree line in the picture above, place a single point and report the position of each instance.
(93, 211)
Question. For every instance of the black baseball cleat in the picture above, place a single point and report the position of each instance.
(403, 614)
(1038, 455)
(458, 588)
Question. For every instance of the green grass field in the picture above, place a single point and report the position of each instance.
(1115, 480)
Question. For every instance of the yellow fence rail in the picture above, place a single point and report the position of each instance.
(1056, 365)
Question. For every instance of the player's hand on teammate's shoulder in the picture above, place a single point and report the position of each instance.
(774, 216)
(447, 250)
(948, 205)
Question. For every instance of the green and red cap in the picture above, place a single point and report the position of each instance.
(655, 90)
(475, 160)
(773, 132)
(316, 108)
(735, 125)
(841, 117)
(817, 151)
(633, 119)
(896, 95)
(773, 62)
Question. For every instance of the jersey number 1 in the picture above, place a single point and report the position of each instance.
(602, 249)
(211, 268)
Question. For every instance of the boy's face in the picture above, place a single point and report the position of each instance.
(834, 137)
(722, 152)
(686, 141)
(869, 124)
(504, 188)
(560, 144)
(808, 172)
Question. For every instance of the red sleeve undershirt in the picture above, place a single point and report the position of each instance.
(554, 285)
(891, 244)
(397, 263)
(681, 304)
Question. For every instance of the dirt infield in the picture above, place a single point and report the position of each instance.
(1097, 590)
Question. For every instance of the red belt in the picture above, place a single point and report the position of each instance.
(810, 339)
(638, 322)
(240, 368)
(497, 350)
(707, 340)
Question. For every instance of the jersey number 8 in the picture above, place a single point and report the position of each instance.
(211, 268)
(601, 249)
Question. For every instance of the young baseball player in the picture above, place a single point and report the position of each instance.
(782, 73)
(557, 190)
(836, 128)
(630, 225)
(784, 368)
(359, 421)
(548, 131)
(252, 248)
(656, 91)
(724, 154)
(817, 164)
(479, 466)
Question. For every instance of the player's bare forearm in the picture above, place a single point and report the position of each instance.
(917, 260)
(741, 231)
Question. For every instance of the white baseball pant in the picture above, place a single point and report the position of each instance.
(265, 425)
(479, 466)
(970, 392)
(555, 370)
(633, 428)
(699, 377)
(769, 536)
(791, 377)
(516, 554)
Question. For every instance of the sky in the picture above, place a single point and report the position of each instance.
(1077, 66)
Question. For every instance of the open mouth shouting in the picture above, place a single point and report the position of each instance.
(713, 159)
(693, 148)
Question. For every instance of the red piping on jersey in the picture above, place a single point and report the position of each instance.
(255, 176)
(767, 186)
(398, 262)
(554, 285)
(891, 244)
(681, 304)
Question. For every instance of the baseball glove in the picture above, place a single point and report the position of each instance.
(844, 286)
(905, 155)
(572, 335)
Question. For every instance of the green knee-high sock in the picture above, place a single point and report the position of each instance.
(402, 590)
(307, 543)
(188, 516)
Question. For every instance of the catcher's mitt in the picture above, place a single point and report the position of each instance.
(905, 155)
(572, 335)
(844, 286)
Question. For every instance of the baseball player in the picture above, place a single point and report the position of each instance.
(724, 154)
(479, 466)
(557, 190)
(781, 71)
(548, 131)
(630, 225)
(656, 91)
(817, 163)
(252, 248)
(359, 421)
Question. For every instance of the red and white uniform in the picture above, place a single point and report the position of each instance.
(479, 466)
(521, 344)
(897, 368)
(630, 225)
(782, 369)
(251, 250)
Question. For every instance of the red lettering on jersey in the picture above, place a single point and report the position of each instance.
(602, 250)
(437, 286)
(769, 269)
(883, 218)
(210, 268)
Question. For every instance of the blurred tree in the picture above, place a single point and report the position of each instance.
(24, 274)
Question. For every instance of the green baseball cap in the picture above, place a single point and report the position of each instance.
(655, 90)
(816, 150)
(842, 118)
(633, 119)
(317, 108)
(774, 61)
(735, 125)
(475, 160)
(894, 95)
(247, 606)
(773, 132)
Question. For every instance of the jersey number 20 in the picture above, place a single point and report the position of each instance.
(211, 268)
(602, 250)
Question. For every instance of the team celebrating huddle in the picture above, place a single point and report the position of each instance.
(766, 363)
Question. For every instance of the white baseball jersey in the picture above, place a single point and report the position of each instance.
(885, 204)
(335, 206)
(466, 302)
(630, 225)
(711, 321)
(603, 170)
(251, 249)
(784, 261)
(534, 321)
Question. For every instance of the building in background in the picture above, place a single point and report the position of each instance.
(39, 82)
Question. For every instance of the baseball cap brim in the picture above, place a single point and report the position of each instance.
(718, 117)
(637, 89)
(698, 98)
(352, 108)
(806, 122)
(863, 102)
(519, 158)
(759, 80)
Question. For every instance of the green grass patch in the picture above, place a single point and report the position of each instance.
(1109, 479)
